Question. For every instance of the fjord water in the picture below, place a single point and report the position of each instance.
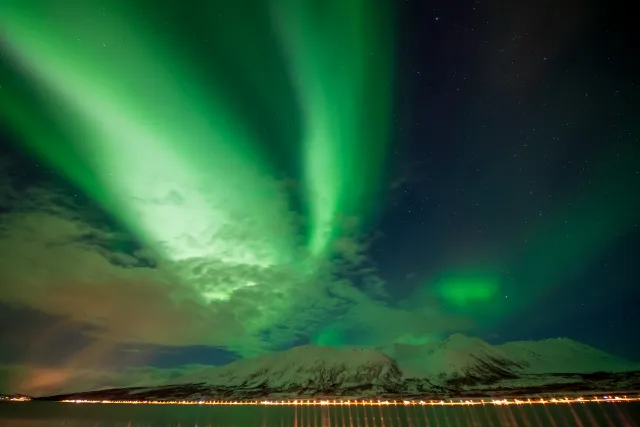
(47, 414)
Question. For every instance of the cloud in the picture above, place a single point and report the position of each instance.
(38, 380)
(377, 323)
(59, 262)
(54, 270)
(65, 259)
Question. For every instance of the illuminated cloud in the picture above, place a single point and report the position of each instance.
(372, 323)
(36, 380)
(64, 261)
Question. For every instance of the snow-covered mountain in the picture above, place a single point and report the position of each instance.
(310, 370)
(474, 360)
(562, 355)
(457, 358)
(458, 365)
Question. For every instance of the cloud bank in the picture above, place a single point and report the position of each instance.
(64, 259)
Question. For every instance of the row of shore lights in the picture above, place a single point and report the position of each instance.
(468, 402)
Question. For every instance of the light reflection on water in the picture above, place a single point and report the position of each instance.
(40, 414)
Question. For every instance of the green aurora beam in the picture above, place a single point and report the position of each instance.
(159, 151)
(339, 53)
(158, 139)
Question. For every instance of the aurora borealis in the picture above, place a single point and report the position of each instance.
(159, 140)
(236, 177)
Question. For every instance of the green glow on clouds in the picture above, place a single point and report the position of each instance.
(330, 337)
(167, 158)
(156, 138)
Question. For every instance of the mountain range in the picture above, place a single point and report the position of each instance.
(458, 366)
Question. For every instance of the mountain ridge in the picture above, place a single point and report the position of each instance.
(456, 366)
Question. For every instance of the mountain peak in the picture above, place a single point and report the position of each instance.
(310, 369)
(460, 340)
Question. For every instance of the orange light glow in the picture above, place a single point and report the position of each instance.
(15, 399)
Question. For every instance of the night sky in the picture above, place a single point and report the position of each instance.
(196, 182)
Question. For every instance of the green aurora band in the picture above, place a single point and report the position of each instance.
(341, 68)
(125, 108)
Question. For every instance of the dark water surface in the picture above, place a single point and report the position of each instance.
(41, 414)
